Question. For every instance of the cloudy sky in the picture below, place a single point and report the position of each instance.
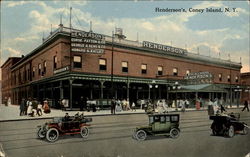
(23, 24)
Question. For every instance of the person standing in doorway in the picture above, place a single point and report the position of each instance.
(245, 106)
(113, 104)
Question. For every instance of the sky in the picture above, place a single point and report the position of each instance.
(24, 23)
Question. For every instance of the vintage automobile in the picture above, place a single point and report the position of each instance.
(159, 124)
(68, 125)
(228, 124)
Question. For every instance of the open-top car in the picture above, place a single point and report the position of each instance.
(228, 124)
(159, 124)
(67, 125)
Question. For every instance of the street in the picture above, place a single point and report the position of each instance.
(111, 136)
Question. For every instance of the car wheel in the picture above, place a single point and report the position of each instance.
(174, 133)
(141, 135)
(230, 132)
(245, 130)
(52, 135)
(84, 132)
(41, 133)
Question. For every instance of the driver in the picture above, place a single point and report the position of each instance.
(66, 117)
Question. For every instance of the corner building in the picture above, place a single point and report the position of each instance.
(116, 67)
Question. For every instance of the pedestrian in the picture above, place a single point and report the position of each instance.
(39, 109)
(215, 106)
(113, 104)
(9, 101)
(245, 106)
(30, 111)
(82, 103)
(222, 108)
(183, 105)
(133, 106)
(46, 108)
(22, 107)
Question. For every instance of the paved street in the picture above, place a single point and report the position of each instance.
(111, 136)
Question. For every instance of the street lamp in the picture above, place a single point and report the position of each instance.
(176, 86)
(154, 87)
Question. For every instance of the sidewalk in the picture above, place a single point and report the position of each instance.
(11, 113)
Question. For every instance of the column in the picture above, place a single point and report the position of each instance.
(102, 82)
(128, 90)
(70, 93)
(149, 91)
(61, 90)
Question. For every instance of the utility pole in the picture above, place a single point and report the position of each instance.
(112, 65)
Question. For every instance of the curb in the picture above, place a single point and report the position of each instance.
(93, 115)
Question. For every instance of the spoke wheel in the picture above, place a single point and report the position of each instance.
(84, 132)
(231, 131)
(40, 133)
(141, 135)
(174, 133)
(52, 135)
(245, 130)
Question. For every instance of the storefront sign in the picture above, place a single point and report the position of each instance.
(61, 70)
(87, 42)
(163, 48)
(199, 75)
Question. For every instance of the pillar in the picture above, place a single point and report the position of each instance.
(128, 90)
(102, 82)
(70, 93)
(61, 90)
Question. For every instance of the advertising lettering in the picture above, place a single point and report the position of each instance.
(163, 48)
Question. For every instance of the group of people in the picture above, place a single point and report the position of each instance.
(32, 107)
(121, 105)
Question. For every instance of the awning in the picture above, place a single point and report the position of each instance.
(200, 88)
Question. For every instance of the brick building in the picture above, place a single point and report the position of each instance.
(71, 63)
(245, 81)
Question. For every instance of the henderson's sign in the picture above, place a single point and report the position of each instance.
(199, 75)
(165, 48)
(87, 42)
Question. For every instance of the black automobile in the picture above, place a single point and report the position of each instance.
(228, 125)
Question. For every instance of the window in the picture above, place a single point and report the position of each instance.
(228, 78)
(44, 67)
(236, 79)
(163, 119)
(174, 118)
(28, 74)
(187, 72)
(125, 67)
(175, 71)
(102, 64)
(25, 75)
(39, 69)
(144, 68)
(220, 77)
(77, 61)
(33, 71)
(55, 62)
(157, 119)
(159, 70)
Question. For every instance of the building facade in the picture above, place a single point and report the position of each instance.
(71, 64)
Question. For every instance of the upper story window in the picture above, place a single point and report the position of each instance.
(102, 64)
(55, 62)
(125, 67)
(236, 79)
(39, 69)
(33, 71)
(159, 70)
(144, 68)
(28, 74)
(188, 72)
(220, 77)
(77, 61)
(175, 71)
(228, 78)
(44, 67)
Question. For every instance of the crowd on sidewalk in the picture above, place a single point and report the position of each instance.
(32, 107)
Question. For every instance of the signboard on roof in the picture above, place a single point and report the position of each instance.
(87, 42)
